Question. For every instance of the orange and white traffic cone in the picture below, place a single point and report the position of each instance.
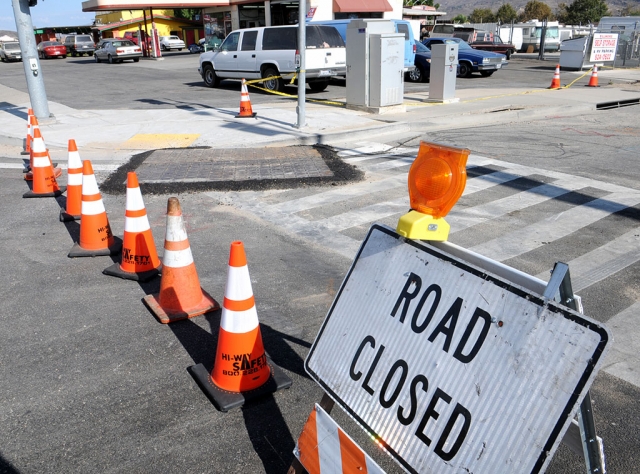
(57, 172)
(593, 80)
(44, 180)
(27, 141)
(241, 369)
(245, 103)
(96, 238)
(73, 209)
(140, 260)
(555, 82)
(180, 295)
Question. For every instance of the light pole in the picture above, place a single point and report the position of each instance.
(302, 47)
(30, 61)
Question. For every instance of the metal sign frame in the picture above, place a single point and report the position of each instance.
(558, 288)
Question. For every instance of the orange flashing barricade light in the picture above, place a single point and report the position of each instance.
(436, 181)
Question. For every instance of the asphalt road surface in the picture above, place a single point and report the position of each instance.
(91, 382)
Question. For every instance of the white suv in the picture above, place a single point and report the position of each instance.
(168, 43)
(269, 52)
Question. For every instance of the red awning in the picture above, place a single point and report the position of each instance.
(356, 6)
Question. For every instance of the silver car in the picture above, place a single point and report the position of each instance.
(115, 50)
(10, 52)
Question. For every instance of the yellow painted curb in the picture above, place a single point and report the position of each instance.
(146, 141)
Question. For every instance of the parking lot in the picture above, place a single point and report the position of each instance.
(175, 82)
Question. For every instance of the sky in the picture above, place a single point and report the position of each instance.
(48, 13)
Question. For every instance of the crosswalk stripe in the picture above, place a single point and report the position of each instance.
(464, 218)
(535, 235)
(623, 360)
(607, 260)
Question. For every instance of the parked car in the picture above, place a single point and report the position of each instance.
(78, 45)
(133, 37)
(496, 46)
(51, 49)
(10, 51)
(167, 43)
(422, 70)
(472, 60)
(401, 26)
(269, 52)
(115, 50)
(196, 48)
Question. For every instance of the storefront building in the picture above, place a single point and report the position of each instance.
(220, 17)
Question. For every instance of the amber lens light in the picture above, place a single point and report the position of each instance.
(437, 178)
(433, 178)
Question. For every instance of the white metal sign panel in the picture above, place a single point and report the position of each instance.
(452, 369)
(604, 47)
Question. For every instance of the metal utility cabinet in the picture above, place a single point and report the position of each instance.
(375, 63)
(444, 67)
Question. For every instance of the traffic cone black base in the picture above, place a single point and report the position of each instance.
(31, 194)
(166, 316)
(65, 217)
(117, 271)
(77, 251)
(224, 400)
(253, 114)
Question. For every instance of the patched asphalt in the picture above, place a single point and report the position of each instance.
(176, 170)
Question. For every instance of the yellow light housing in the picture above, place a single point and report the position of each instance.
(436, 181)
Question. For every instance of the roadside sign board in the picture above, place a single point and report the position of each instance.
(449, 368)
(604, 47)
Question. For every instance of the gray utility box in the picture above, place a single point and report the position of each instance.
(444, 67)
(375, 62)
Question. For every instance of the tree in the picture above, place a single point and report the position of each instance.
(583, 12)
(481, 15)
(429, 3)
(506, 13)
(535, 10)
(630, 11)
(459, 19)
(186, 13)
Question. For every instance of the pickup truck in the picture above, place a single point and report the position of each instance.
(495, 46)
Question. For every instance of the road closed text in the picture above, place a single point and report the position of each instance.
(443, 420)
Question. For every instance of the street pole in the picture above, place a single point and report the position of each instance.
(30, 60)
(302, 47)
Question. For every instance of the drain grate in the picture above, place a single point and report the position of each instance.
(617, 104)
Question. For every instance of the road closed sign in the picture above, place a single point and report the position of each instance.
(449, 368)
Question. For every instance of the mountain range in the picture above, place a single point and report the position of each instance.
(465, 7)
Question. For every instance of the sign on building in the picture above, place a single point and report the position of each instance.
(452, 369)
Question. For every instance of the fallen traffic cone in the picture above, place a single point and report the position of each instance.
(555, 82)
(245, 103)
(241, 369)
(44, 181)
(180, 295)
(74, 185)
(27, 141)
(96, 238)
(593, 81)
(139, 257)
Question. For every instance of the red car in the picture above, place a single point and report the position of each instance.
(51, 49)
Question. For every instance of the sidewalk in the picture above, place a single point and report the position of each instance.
(105, 139)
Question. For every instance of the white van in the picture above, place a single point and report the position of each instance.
(270, 52)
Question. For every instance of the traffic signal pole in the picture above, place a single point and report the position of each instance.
(30, 60)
